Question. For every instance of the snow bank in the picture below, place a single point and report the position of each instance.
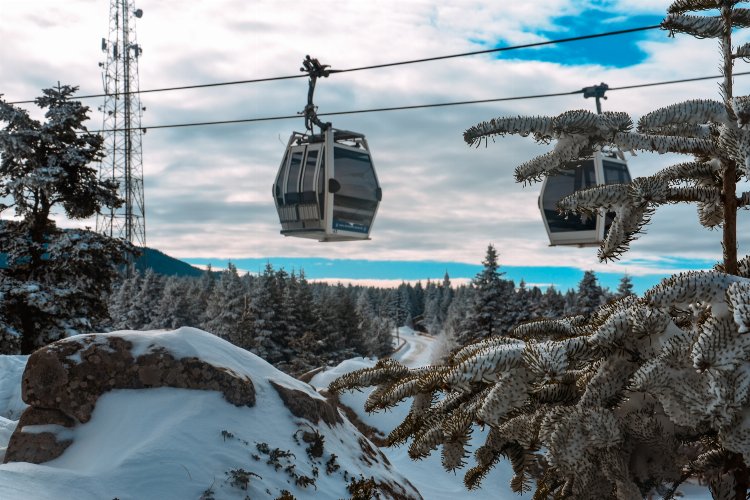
(11, 404)
(173, 443)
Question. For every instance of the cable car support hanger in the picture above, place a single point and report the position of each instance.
(314, 70)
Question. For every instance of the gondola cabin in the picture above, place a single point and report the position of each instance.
(326, 188)
(571, 229)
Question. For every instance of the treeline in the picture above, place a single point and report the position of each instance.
(292, 323)
(297, 325)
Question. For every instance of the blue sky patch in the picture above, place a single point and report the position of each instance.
(563, 278)
(617, 51)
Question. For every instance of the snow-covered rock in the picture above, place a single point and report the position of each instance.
(169, 442)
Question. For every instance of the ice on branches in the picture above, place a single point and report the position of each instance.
(682, 6)
(579, 405)
(697, 111)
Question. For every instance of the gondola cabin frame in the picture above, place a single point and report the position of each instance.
(571, 229)
(326, 187)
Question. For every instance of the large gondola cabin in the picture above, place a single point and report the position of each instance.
(326, 188)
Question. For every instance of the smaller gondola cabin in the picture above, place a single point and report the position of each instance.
(326, 188)
(572, 229)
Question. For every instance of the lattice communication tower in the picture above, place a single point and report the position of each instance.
(121, 128)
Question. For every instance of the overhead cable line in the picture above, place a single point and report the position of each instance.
(379, 66)
(423, 106)
(502, 49)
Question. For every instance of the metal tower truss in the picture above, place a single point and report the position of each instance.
(121, 128)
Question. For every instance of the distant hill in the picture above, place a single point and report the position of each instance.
(160, 262)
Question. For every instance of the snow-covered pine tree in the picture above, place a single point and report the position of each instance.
(225, 309)
(122, 301)
(376, 331)
(173, 309)
(645, 393)
(493, 295)
(56, 282)
(589, 295)
(625, 288)
(146, 300)
(552, 304)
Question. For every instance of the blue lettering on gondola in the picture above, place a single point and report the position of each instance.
(348, 226)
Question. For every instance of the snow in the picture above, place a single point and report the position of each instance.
(170, 443)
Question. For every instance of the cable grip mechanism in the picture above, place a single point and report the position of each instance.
(314, 70)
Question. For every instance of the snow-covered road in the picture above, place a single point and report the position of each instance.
(416, 350)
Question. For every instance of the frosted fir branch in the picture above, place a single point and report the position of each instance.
(695, 130)
(567, 148)
(684, 289)
(546, 361)
(470, 350)
(691, 171)
(743, 51)
(398, 392)
(453, 455)
(606, 388)
(522, 429)
(611, 333)
(682, 6)
(628, 223)
(584, 122)
(539, 126)
(485, 364)
(695, 194)
(427, 439)
(696, 111)
(385, 370)
(711, 215)
(591, 199)
(719, 346)
(738, 296)
(740, 18)
(509, 392)
(546, 329)
(741, 105)
(654, 190)
(698, 26)
(486, 456)
(665, 144)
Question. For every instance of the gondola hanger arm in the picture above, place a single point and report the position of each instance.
(314, 70)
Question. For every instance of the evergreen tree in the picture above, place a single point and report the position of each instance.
(590, 295)
(262, 316)
(491, 313)
(226, 306)
(56, 282)
(553, 303)
(122, 301)
(174, 307)
(625, 288)
(143, 311)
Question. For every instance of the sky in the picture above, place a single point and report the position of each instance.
(207, 188)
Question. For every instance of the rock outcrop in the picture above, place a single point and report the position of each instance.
(63, 381)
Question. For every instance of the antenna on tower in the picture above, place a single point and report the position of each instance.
(121, 130)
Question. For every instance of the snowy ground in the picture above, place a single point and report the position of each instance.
(168, 444)
(428, 475)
